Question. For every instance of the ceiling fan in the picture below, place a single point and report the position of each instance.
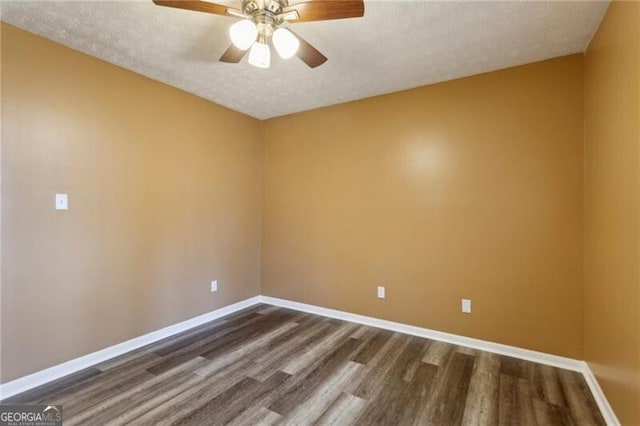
(263, 20)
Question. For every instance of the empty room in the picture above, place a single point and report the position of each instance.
(330, 212)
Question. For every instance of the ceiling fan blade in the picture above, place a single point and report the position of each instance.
(232, 55)
(198, 6)
(309, 54)
(322, 10)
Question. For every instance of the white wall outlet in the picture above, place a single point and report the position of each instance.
(466, 306)
(214, 286)
(62, 202)
(381, 294)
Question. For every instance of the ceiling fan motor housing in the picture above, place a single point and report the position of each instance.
(274, 7)
(266, 14)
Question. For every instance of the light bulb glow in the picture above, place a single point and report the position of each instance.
(285, 43)
(260, 55)
(243, 34)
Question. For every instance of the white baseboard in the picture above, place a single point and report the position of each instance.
(603, 404)
(41, 377)
(44, 376)
(483, 345)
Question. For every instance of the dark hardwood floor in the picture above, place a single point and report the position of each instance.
(268, 365)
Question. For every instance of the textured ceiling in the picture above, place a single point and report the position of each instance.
(397, 45)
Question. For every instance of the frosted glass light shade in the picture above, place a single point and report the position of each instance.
(285, 43)
(243, 34)
(260, 55)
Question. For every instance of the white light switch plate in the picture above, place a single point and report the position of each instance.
(214, 286)
(62, 202)
(466, 306)
(381, 294)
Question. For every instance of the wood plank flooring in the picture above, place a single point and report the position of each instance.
(268, 365)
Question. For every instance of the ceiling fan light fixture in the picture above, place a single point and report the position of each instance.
(260, 19)
(285, 42)
(260, 54)
(243, 34)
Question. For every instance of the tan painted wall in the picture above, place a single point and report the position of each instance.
(470, 188)
(612, 208)
(164, 192)
(1, 362)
